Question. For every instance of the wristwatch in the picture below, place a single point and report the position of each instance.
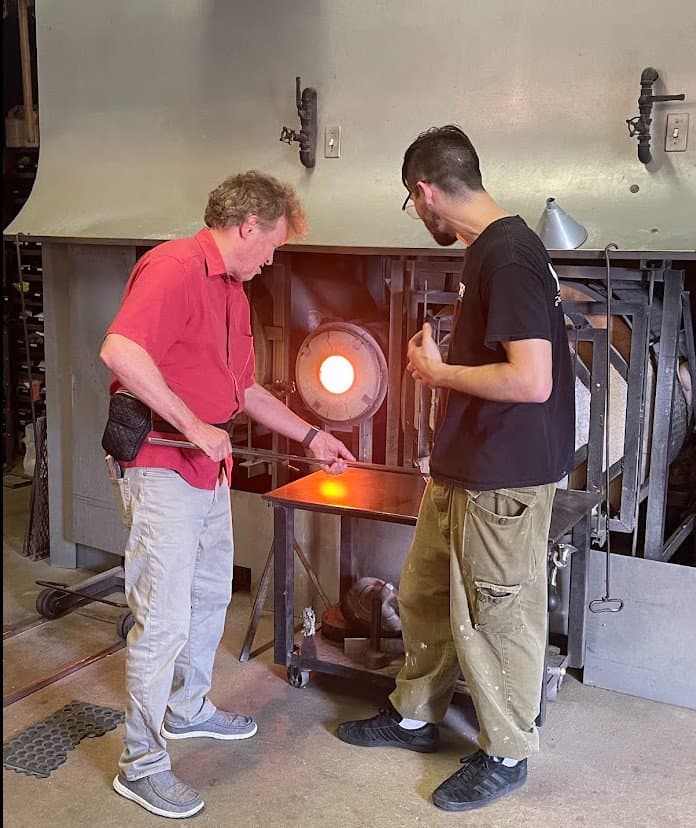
(309, 436)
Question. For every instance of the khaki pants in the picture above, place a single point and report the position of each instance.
(473, 599)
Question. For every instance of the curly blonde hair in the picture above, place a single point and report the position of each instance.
(253, 193)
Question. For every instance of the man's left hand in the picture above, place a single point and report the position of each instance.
(424, 357)
(325, 446)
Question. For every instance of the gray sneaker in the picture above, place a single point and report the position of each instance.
(221, 725)
(161, 793)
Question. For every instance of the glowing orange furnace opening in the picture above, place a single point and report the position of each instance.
(336, 374)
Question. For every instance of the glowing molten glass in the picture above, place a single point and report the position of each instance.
(336, 374)
(332, 490)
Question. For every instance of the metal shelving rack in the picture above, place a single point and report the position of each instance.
(23, 325)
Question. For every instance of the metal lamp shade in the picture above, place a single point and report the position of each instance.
(558, 230)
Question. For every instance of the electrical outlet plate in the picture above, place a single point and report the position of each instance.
(332, 142)
(677, 132)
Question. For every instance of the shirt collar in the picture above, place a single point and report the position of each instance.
(213, 259)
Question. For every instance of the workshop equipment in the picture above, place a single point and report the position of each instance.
(374, 658)
(639, 127)
(306, 102)
(263, 454)
(558, 230)
(607, 603)
(57, 599)
(371, 495)
(357, 605)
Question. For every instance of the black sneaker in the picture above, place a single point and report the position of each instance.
(383, 730)
(480, 780)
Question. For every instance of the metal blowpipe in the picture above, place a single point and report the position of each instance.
(263, 454)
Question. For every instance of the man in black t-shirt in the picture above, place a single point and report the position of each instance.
(473, 593)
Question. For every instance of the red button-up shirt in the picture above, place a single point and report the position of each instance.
(194, 321)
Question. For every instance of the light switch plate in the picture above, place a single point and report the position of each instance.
(677, 132)
(332, 142)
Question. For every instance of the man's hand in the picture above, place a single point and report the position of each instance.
(263, 407)
(213, 441)
(424, 357)
(325, 446)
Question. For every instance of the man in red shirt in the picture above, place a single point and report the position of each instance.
(182, 344)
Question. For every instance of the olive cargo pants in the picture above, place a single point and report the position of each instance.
(473, 599)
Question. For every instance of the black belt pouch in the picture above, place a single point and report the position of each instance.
(127, 427)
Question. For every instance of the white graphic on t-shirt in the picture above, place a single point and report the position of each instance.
(557, 300)
(462, 288)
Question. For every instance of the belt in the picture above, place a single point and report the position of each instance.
(162, 425)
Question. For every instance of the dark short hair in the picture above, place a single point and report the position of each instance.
(443, 156)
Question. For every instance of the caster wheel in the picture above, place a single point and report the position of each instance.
(297, 677)
(51, 604)
(124, 624)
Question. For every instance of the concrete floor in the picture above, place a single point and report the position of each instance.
(607, 760)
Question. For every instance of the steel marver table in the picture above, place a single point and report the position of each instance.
(371, 495)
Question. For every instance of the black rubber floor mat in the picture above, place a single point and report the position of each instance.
(42, 747)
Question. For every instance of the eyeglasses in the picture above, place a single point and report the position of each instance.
(410, 209)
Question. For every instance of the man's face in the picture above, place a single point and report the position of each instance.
(437, 226)
(258, 249)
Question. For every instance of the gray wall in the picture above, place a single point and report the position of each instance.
(145, 106)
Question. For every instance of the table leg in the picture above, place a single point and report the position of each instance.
(257, 609)
(579, 576)
(284, 583)
(347, 555)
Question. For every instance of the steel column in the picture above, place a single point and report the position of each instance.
(634, 429)
(281, 360)
(395, 359)
(347, 573)
(579, 581)
(662, 414)
(595, 441)
(284, 591)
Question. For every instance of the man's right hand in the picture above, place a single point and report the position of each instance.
(424, 357)
(325, 446)
(213, 441)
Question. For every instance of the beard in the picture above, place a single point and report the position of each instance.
(437, 228)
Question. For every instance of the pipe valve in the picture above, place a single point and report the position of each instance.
(306, 102)
(640, 125)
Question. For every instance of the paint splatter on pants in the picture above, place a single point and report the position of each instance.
(473, 600)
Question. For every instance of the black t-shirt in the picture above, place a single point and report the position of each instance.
(509, 291)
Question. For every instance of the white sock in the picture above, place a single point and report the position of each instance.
(509, 763)
(412, 724)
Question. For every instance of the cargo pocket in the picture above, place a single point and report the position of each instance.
(497, 608)
(497, 543)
